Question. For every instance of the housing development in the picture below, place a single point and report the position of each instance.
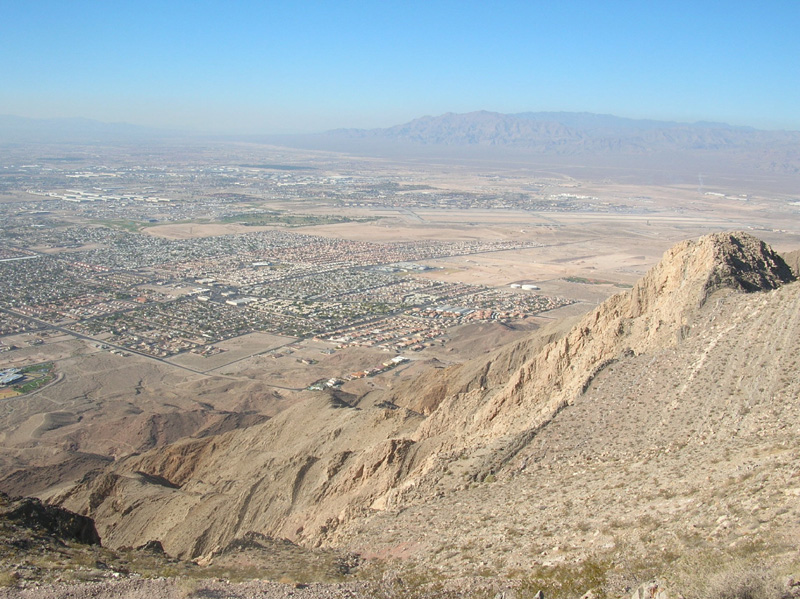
(79, 260)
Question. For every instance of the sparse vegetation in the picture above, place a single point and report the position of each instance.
(566, 581)
(720, 575)
(8, 579)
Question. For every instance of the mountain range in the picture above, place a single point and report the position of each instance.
(548, 132)
(561, 132)
(647, 151)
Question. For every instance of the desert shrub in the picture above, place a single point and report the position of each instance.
(742, 582)
(8, 579)
(566, 580)
(734, 578)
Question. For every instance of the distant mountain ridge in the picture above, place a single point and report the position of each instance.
(570, 132)
(669, 151)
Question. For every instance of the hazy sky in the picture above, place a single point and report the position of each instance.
(277, 67)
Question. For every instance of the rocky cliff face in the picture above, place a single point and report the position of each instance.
(314, 470)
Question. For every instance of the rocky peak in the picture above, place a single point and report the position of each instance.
(691, 271)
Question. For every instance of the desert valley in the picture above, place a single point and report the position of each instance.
(407, 362)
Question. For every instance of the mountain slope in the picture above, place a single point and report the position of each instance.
(652, 314)
(680, 459)
(319, 469)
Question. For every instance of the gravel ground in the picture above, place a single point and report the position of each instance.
(188, 588)
(184, 588)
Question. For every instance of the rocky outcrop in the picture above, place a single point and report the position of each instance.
(320, 465)
(793, 260)
(48, 519)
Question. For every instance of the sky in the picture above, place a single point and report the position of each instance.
(299, 67)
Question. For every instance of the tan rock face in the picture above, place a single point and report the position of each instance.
(318, 467)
